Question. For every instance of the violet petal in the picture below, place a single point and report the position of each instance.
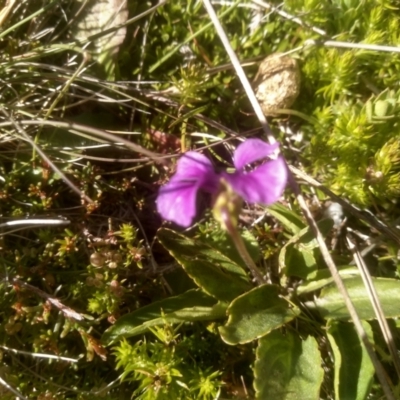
(192, 163)
(264, 185)
(176, 200)
(252, 150)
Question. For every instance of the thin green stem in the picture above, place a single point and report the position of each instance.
(241, 248)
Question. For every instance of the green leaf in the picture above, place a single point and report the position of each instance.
(255, 314)
(211, 270)
(297, 257)
(330, 303)
(194, 305)
(288, 218)
(354, 370)
(287, 368)
(324, 278)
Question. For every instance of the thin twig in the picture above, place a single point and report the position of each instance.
(39, 355)
(347, 45)
(69, 389)
(67, 311)
(239, 70)
(288, 16)
(327, 43)
(21, 224)
(11, 389)
(36, 221)
(78, 129)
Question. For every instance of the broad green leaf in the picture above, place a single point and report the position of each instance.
(287, 368)
(297, 257)
(288, 218)
(256, 313)
(211, 270)
(192, 305)
(323, 278)
(354, 370)
(330, 303)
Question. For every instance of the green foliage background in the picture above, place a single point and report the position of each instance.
(169, 88)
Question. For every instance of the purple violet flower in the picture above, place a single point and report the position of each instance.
(262, 184)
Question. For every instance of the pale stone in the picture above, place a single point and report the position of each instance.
(277, 83)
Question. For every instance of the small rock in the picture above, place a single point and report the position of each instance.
(277, 83)
(335, 212)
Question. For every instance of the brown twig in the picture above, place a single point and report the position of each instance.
(68, 312)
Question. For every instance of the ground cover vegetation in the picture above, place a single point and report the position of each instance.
(100, 297)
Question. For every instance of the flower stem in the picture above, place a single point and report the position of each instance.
(226, 211)
(241, 248)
